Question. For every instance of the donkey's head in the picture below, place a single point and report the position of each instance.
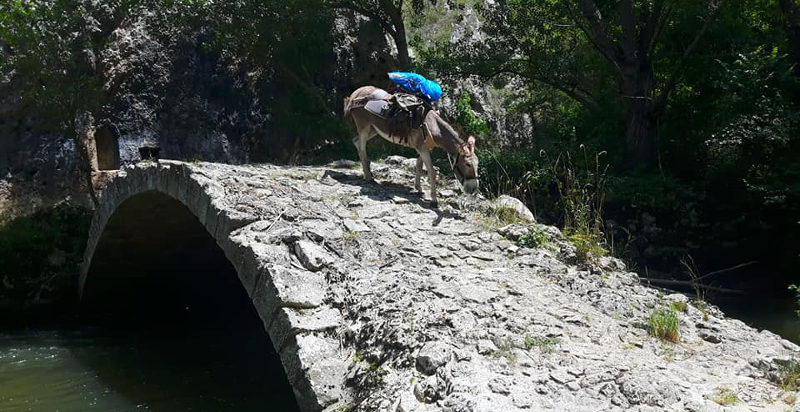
(466, 166)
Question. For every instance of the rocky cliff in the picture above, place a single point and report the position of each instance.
(173, 89)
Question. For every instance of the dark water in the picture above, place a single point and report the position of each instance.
(161, 369)
(774, 314)
(164, 324)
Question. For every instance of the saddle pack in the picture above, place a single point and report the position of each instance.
(404, 113)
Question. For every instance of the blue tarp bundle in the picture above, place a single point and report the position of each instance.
(415, 83)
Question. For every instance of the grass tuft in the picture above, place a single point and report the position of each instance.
(664, 324)
(679, 306)
(587, 246)
(546, 344)
(789, 375)
(725, 397)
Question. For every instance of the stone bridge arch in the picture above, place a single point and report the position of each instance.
(240, 213)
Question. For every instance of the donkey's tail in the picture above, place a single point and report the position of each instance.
(347, 108)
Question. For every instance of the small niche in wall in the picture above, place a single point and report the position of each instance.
(107, 148)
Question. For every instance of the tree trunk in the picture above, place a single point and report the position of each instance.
(640, 134)
(403, 59)
(637, 88)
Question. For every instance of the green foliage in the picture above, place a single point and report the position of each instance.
(506, 215)
(796, 290)
(534, 238)
(472, 124)
(512, 172)
(664, 324)
(48, 47)
(581, 198)
(40, 254)
(587, 246)
(351, 236)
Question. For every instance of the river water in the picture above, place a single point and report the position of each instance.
(179, 369)
(774, 314)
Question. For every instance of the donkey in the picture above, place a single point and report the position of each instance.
(434, 132)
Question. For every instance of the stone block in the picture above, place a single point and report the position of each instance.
(315, 370)
(289, 322)
(312, 256)
(432, 356)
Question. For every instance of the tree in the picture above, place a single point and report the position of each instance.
(630, 45)
(50, 52)
(558, 43)
(791, 14)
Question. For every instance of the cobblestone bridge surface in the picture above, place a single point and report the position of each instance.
(375, 301)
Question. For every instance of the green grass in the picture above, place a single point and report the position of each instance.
(664, 324)
(505, 349)
(587, 246)
(725, 397)
(789, 375)
(679, 306)
(546, 344)
(351, 236)
(506, 215)
(499, 217)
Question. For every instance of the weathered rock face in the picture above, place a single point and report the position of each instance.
(175, 94)
(378, 302)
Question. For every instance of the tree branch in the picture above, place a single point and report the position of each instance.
(628, 27)
(651, 28)
(596, 32)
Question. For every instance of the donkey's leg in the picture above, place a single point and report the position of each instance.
(418, 175)
(360, 142)
(426, 157)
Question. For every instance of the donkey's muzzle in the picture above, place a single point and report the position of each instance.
(470, 186)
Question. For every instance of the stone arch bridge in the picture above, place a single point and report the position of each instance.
(375, 301)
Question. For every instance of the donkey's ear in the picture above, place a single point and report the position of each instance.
(471, 141)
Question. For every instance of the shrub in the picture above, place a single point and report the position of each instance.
(40, 254)
(534, 238)
(664, 324)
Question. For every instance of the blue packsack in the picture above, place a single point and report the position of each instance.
(416, 83)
